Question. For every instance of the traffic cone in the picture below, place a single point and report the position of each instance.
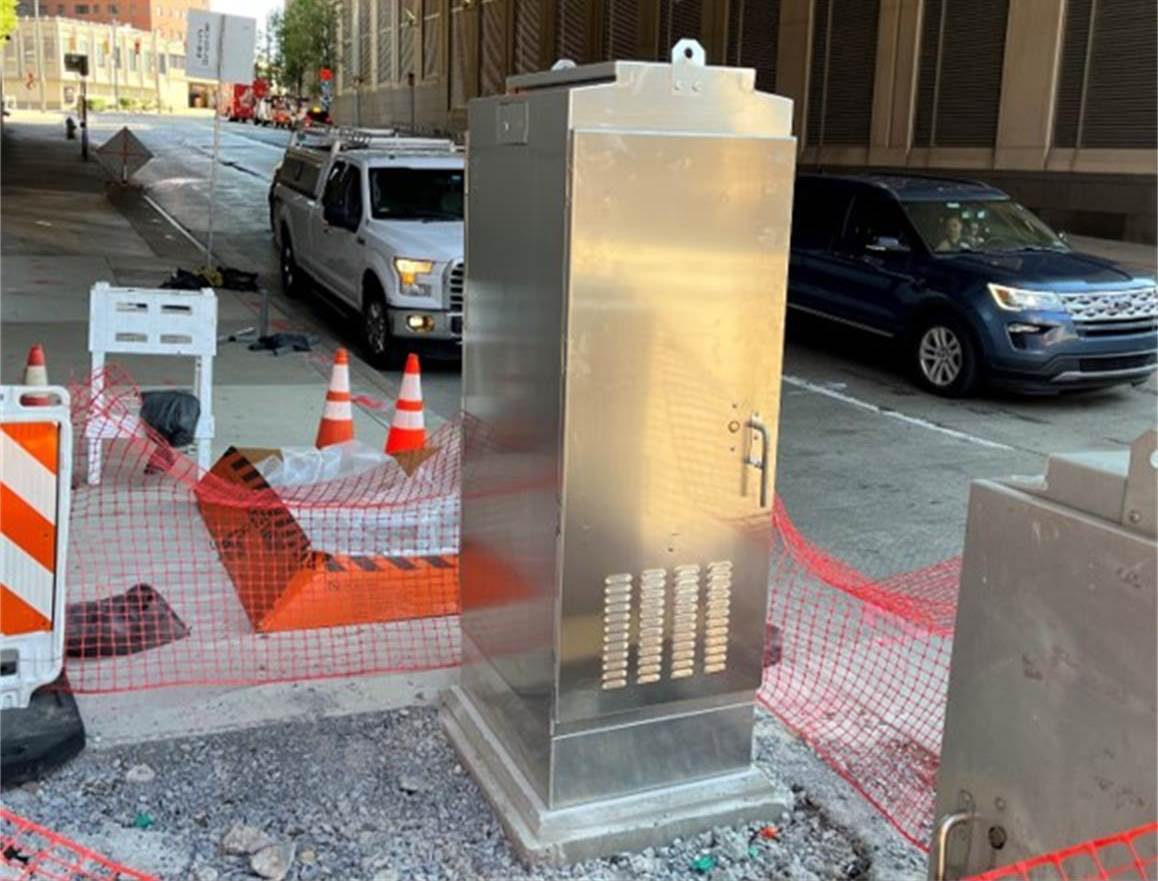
(36, 373)
(408, 429)
(337, 425)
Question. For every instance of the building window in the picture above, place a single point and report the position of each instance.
(959, 73)
(754, 38)
(407, 38)
(1107, 86)
(162, 68)
(386, 31)
(81, 9)
(60, 9)
(112, 9)
(530, 24)
(177, 62)
(431, 39)
(840, 86)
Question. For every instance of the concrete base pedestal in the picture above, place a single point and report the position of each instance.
(609, 826)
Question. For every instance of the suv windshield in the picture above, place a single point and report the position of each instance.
(984, 226)
(416, 193)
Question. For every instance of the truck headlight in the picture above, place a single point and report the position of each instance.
(408, 269)
(1020, 300)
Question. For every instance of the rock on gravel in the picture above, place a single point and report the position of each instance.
(141, 774)
(242, 839)
(273, 862)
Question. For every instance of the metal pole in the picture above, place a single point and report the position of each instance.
(216, 145)
(84, 118)
(39, 53)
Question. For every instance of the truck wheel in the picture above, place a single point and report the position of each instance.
(944, 356)
(376, 329)
(292, 280)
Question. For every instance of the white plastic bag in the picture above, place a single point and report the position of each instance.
(302, 466)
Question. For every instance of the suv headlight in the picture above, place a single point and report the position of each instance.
(409, 269)
(1021, 300)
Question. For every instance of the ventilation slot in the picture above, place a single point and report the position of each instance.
(685, 610)
(716, 617)
(652, 603)
(616, 629)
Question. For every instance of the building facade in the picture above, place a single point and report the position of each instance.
(165, 17)
(127, 67)
(1055, 101)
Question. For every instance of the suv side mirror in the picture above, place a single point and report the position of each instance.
(887, 245)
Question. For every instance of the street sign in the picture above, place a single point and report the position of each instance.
(76, 63)
(123, 154)
(219, 46)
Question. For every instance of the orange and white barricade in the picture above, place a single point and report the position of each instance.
(35, 488)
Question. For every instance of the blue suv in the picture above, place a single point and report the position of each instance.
(974, 285)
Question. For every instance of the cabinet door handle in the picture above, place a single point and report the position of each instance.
(760, 428)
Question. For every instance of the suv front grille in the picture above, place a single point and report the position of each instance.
(1111, 313)
(457, 276)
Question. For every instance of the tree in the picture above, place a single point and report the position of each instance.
(307, 38)
(7, 18)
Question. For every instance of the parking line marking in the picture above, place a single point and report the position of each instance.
(895, 414)
(173, 221)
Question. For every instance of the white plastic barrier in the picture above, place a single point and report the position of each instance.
(139, 321)
(36, 481)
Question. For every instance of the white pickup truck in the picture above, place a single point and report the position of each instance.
(377, 221)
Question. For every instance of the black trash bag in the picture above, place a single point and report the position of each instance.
(298, 342)
(183, 280)
(172, 414)
(134, 621)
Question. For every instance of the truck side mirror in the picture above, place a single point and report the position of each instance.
(887, 245)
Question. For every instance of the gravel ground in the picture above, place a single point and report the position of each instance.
(381, 797)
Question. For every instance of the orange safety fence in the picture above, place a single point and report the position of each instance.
(245, 576)
(30, 851)
(1126, 856)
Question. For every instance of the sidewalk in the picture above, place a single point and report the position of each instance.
(64, 229)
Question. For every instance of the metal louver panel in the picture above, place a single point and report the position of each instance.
(386, 31)
(1075, 44)
(959, 86)
(1121, 105)
(493, 49)
(621, 29)
(753, 38)
(365, 35)
(848, 79)
(679, 19)
(529, 18)
(571, 38)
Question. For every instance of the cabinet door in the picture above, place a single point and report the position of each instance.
(675, 321)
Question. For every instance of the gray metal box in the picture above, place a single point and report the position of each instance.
(627, 244)
(1051, 732)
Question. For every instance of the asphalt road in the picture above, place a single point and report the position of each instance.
(871, 467)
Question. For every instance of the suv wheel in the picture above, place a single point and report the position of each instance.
(376, 328)
(944, 356)
(292, 281)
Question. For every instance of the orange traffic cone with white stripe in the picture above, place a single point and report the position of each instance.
(408, 429)
(36, 373)
(337, 425)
